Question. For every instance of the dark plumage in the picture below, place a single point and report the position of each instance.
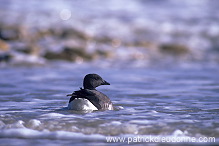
(98, 99)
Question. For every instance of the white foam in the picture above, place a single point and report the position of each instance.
(116, 123)
(18, 124)
(129, 128)
(34, 134)
(33, 123)
(113, 123)
(53, 115)
(56, 115)
(119, 107)
(179, 133)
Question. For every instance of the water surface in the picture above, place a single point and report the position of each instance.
(158, 102)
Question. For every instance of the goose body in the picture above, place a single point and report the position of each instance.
(89, 98)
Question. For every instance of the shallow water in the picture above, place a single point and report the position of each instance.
(157, 102)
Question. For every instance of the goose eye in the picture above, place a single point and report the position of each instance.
(97, 78)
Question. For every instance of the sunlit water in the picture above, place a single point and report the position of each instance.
(157, 102)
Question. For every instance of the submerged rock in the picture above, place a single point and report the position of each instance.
(174, 49)
(74, 33)
(70, 54)
(9, 33)
(5, 55)
(4, 46)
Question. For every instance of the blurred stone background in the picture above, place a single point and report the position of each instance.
(139, 32)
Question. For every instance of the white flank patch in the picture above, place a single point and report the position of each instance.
(81, 104)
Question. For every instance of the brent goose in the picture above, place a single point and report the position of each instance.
(89, 98)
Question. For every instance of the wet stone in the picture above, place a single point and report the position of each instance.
(174, 49)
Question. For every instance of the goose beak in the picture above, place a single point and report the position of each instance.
(105, 83)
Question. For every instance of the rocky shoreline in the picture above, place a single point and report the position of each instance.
(36, 35)
(70, 44)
